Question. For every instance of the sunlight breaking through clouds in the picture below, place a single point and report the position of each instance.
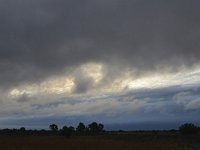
(183, 77)
(64, 85)
(51, 86)
(55, 53)
(93, 70)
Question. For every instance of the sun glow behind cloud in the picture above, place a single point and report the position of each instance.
(183, 77)
(60, 85)
(65, 84)
(93, 70)
(50, 86)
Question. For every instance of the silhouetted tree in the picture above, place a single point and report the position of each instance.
(101, 127)
(93, 127)
(188, 128)
(67, 132)
(22, 129)
(71, 129)
(53, 127)
(81, 127)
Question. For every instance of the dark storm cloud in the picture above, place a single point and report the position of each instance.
(43, 38)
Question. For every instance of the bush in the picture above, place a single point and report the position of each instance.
(188, 128)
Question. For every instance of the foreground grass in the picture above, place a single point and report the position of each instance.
(106, 142)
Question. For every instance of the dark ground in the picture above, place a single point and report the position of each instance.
(102, 142)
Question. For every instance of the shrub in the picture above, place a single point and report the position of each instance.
(188, 128)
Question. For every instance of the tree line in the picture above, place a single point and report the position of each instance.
(81, 129)
(94, 128)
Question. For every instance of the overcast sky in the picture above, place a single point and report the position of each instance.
(119, 62)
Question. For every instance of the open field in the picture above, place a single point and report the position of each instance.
(104, 142)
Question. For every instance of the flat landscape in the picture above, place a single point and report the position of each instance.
(101, 142)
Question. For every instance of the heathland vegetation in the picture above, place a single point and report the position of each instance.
(94, 136)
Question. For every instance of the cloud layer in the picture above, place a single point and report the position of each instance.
(56, 49)
(45, 38)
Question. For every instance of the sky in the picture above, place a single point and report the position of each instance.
(129, 64)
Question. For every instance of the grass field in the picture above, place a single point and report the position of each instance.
(105, 142)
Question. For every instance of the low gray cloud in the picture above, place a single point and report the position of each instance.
(189, 100)
(152, 106)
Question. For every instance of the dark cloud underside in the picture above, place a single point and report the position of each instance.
(43, 38)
